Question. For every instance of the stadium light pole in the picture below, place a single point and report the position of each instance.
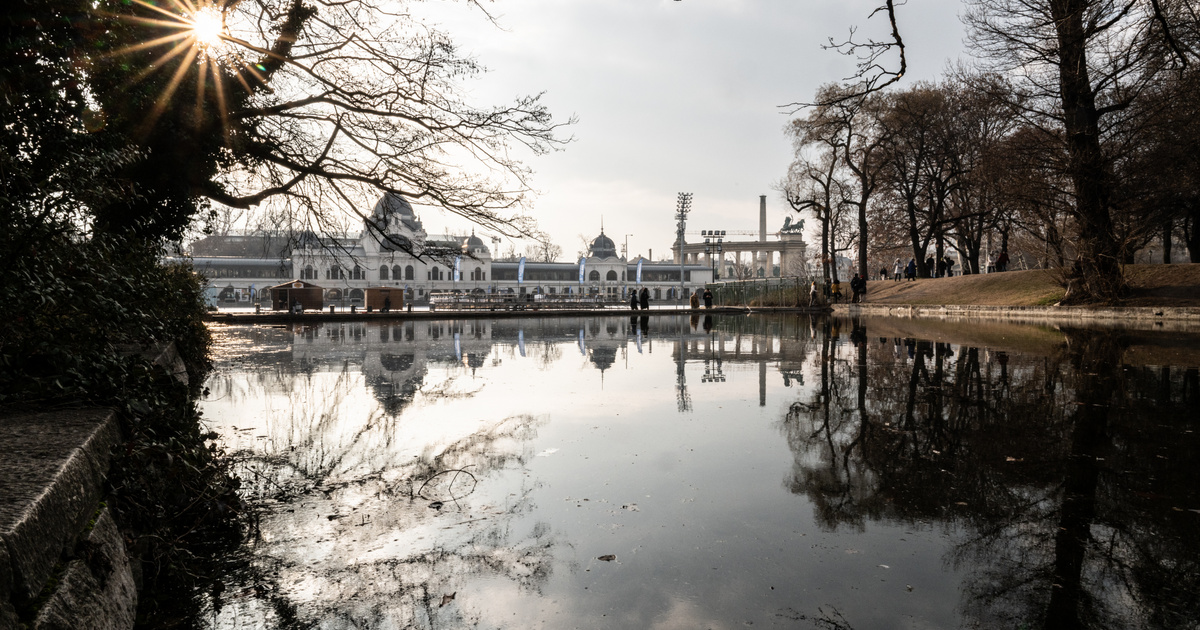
(683, 206)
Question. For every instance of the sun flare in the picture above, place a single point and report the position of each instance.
(207, 27)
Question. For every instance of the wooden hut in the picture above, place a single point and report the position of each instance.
(377, 298)
(310, 296)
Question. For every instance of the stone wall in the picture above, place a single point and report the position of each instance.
(58, 545)
(1146, 318)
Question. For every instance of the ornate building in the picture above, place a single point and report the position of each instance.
(239, 267)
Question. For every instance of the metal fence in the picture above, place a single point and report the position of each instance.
(788, 292)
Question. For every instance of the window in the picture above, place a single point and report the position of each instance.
(612, 276)
(356, 273)
(594, 276)
(477, 274)
(408, 272)
(383, 273)
(658, 294)
(308, 273)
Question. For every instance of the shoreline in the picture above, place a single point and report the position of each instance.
(1175, 318)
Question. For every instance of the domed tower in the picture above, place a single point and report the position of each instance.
(603, 247)
(474, 246)
(393, 224)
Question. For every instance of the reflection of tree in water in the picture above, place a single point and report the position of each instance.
(1070, 475)
(331, 556)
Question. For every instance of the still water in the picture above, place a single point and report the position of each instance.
(710, 472)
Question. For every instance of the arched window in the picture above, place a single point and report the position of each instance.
(383, 273)
(357, 273)
(477, 274)
(761, 272)
(308, 273)
(611, 276)
(408, 272)
(594, 276)
(435, 273)
(658, 294)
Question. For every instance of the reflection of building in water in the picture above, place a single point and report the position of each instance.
(395, 356)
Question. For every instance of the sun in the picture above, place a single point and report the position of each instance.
(207, 26)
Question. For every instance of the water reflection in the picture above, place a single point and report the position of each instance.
(1068, 475)
(625, 472)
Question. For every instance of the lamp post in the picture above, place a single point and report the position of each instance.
(683, 206)
(712, 242)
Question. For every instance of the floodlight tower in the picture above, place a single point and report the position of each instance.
(683, 206)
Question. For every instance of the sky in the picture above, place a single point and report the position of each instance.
(671, 96)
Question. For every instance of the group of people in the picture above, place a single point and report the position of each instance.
(943, 268)
(858, 290)
(707, 296)
(642, 299)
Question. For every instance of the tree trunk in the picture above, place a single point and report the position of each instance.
(1191, 232)
(1166, 241)
(1096, 275)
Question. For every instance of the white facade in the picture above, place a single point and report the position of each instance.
(344, 267)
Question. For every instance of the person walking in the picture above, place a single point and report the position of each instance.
(694, 301)
(633, 299)
(645, 299)
(897, 269)
(812, 294)
(1002, 261)
(708, 298)
(910, 271)
(858, 286)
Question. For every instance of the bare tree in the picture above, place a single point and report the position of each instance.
(1082, 64)
(313, 108)
(543, 251)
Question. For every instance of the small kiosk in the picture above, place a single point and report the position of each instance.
(284, 296)
(380, 298)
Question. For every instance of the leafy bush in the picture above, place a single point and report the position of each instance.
(82, 310)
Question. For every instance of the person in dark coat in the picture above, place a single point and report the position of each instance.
(1002, 261)
(708, 298)
(858, 287)
(910, 271)
(645, 299)
(633, 299)
(929, 265)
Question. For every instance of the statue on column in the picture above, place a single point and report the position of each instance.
(791, 228)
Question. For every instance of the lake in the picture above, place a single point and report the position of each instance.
(709, 472)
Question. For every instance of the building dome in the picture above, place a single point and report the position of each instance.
(392, 203)
(473, 243)
(603, 247)
(393, 213)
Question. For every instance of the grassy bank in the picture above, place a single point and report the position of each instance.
(1150, 285)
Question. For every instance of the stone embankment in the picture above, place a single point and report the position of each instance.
(1157, 318)
(63, 560)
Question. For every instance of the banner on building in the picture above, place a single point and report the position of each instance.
(457, 268)
(521, 270)
(581, 262)
(639, 271)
